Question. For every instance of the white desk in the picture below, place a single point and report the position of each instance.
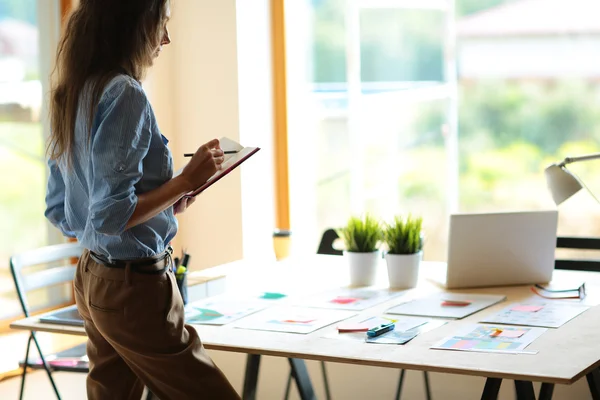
(564, 355)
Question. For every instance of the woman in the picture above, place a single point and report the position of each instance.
(111, 186)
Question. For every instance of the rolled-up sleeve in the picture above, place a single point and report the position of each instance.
(119, 145)
(55, 200)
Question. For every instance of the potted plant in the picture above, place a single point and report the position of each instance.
(362, 238)
(404, 243)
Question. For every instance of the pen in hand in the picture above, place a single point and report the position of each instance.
(225, 152)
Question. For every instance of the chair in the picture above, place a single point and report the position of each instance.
(51, 276)
(577, 243)
(581, 264)
(327, 241)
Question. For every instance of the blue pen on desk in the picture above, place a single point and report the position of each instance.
(380, 329)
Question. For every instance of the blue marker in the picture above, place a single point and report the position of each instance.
(381, 329)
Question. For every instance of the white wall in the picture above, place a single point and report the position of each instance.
(214, 80)
(255, 77)
(303, 126)
(541, 57)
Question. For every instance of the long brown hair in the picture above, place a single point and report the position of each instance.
(102, 39)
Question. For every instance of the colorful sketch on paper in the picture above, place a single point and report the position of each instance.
(293, 319)
(272, 295)
(446, 305)
(349, 298)
(345, 300)
(526, 308)
(490, 338)
(204, 315)
(547, 315)
(306, 322)
(220, 311)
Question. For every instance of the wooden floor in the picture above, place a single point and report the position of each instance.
(37, 386)
(13, 345)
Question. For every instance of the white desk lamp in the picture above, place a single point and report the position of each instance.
(561, 182)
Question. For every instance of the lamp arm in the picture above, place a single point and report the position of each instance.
(570, 160)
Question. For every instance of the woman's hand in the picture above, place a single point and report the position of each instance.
(182, 204)
(206, 161)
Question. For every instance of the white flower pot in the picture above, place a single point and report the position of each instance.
(363, 267)
(403, 269)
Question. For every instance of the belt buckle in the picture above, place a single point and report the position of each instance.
(169, 251)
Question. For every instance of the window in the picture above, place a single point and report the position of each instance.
(22, 140)
(377, 114)
(22, 163)
(434, 107)
(529, 96)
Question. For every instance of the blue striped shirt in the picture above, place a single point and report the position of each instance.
(126, 156)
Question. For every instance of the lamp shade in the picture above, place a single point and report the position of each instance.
(561, 183)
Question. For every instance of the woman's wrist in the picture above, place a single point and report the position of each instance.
(183, 185)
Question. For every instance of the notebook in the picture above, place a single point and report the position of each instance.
(232, 161)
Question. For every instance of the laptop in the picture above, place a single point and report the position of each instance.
(500, 249)
(64, 316)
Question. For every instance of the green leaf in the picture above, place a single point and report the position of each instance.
(403, 235)
(361, 234)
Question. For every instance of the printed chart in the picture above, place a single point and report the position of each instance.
(491, 338)
(221, 311)
(547, 315)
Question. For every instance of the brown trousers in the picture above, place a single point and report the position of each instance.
(137, 337)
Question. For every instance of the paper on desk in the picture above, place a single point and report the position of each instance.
(432, 306)
(350, 298)
(401, 324)
(395, 337)
(546, 314)
(221, 310)
(293, 319)
(485, 338)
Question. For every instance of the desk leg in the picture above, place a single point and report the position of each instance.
(524, 390)
(593, 379)
(427, 388)
(400, 382)
(546, 391)
(303, 383)
(251, 376)
(491, 389)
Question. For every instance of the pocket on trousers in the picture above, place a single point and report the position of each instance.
(104, 309)
(148, 303)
